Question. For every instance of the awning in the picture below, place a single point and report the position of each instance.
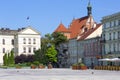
(104, 59)
(110, 59)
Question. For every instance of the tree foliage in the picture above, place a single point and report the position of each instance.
(5, 59)
(51, 54)
(40, 56)
(47, 53)
(40, 53)
(11, 58)
(58, 38)
(24, 58)
(8, 59)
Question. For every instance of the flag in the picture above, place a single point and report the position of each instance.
(27, 17)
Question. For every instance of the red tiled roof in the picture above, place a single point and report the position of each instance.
(76, 26)
(61, 28)
(86, 34)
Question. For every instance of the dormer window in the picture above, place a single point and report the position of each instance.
(85, 29)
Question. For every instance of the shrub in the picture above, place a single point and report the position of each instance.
(36, 63)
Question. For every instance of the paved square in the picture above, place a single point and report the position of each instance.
(58, 74)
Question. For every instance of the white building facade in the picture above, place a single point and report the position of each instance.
(111, 35)
(21, 41)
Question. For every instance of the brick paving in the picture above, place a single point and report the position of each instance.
(58, 74)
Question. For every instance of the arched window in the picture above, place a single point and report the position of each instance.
(34, 49)
(29, 41)
(3, 50)
(24, 50)
(3, 41)
(24, 41)
(29, 49)
(34, 41)
(12, 42)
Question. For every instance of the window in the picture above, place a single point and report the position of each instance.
(104, 26)
(3, 41)
(118, 22)
(12, 42)
(114, 47)
(113, 35)
(34, 41)
(85, 29)
(29, 41)
(109, 47)
(110, 24)
(118, 34)
(24, 50)
(29, 49)
(109, 36)
(103, 36)
(117, 46)
(114, 23)
(34, 49)
(24, 41)
(3, 50)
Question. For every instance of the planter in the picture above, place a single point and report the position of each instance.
(33, 66)
(50, 66)
(41, 66)
(79, 66)
(74, 67)
(83, 67)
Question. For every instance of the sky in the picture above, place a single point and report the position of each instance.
(46, 15)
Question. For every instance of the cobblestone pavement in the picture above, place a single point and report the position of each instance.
(58, 74)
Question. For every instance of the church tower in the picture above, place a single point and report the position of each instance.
(89, 8)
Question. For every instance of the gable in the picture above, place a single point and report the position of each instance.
(96, 33)
(93, 32)
(28, 30)
(62, 28)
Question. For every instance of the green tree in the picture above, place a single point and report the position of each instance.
(5, 59)
(8, 59)
(58, 38)
(12, 60)
(40, 53)
(49, 38)
(53, 39)
(51, 54)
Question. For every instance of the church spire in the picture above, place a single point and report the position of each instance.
(89, 8)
